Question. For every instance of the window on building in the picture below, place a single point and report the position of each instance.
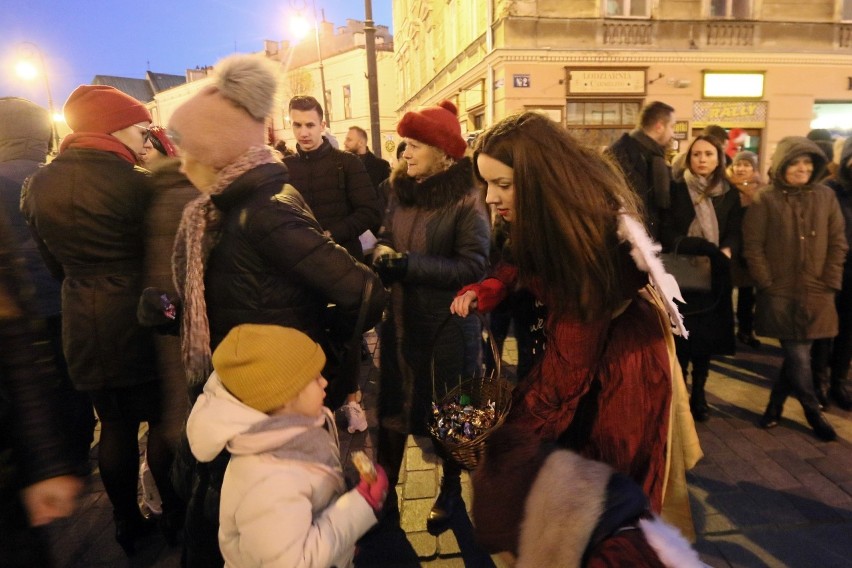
(846, 16)
(628, 8)
(328, 112)
(602, 113)
(347, 102)
(734, 9)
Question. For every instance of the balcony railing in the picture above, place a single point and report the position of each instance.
(730, 34)
(628, 33)
(844, 36)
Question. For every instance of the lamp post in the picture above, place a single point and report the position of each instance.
(301, 34)
(26, 70)
(372, 79)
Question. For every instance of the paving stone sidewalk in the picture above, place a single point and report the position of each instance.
(776, 498)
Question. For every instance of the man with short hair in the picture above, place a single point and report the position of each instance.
(377, 168)
(338, 190)
(334, 183)
(642, 156)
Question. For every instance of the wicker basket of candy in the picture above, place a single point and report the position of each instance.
(466, 414)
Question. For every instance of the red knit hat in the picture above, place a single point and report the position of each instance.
(161, 142)
(103, 109)
(437, 126)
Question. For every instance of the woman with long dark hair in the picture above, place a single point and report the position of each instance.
(603, 386)
(704, 219)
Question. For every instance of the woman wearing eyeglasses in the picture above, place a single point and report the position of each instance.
(87, 209)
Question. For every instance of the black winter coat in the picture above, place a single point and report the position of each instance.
(635, 161)
(31, 444)
(87, 210)
(339, 192)
(708, 316)
(272, 263)
(442, 224)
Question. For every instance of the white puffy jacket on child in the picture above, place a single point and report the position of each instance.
(284, 500)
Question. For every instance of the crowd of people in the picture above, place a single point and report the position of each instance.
(193, 277)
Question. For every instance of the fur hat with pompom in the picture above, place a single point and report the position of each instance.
(436, 126)
(226, 118)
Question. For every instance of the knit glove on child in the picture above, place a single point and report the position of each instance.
(375, 493)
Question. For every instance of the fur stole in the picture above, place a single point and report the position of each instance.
(437, 191)
(566, 506)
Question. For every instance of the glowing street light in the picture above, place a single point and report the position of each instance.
(300, 26)
(27, 70)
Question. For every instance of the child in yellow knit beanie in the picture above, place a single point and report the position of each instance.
(284, 499)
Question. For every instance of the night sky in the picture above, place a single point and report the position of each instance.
(84, 38)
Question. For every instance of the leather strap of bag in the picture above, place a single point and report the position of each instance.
(362, 313)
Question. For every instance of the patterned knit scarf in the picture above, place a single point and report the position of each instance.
(705, 224)
(196, 237)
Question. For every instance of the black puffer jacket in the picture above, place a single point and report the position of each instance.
(339, 192)
(272, 263)
(87, 209)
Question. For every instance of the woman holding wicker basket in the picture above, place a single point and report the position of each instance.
(434, 240)
(604, 385)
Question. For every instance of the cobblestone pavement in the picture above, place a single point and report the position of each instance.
(777, 498)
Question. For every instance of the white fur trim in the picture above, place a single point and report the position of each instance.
(646, 254)
(673, 550)
(248, 81)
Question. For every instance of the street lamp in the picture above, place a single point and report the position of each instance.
(299, 26)
(26, 70)
(372, 79)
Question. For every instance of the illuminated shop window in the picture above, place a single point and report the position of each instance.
(602, 113)
(733, 85)
(628, 8)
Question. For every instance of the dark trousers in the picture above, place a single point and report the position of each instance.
(745, 310)
(795, 377)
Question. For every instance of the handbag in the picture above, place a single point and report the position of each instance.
(691, 271)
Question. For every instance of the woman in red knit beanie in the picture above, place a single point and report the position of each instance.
(435, 239)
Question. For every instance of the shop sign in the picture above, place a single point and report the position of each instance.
(729, 114)
(681, 130)
(606, 81)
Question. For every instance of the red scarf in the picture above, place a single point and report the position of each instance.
(98, 141)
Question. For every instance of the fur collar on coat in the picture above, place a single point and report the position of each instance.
(437, 191)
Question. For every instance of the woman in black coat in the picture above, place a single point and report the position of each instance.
(434, 240)
(704, 219)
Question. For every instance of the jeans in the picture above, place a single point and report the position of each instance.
(795, 377)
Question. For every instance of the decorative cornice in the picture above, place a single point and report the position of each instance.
(645, 57)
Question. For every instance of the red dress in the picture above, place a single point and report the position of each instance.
(626, 423)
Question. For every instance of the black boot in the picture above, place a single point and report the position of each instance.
(749, 339)
(697, 401)
(131, 528)
(837, 392)
(448, 502)
(822, 428)
(772, 415)
(820, 377)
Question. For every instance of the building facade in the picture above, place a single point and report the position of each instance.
(344, 70)
(772, 67)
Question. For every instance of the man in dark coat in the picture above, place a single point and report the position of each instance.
(356, 143)
(341, 196)
(641, 155)
(334, 183)
(25, 136)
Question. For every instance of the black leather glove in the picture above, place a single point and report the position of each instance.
(156, 309)
(391, 267)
